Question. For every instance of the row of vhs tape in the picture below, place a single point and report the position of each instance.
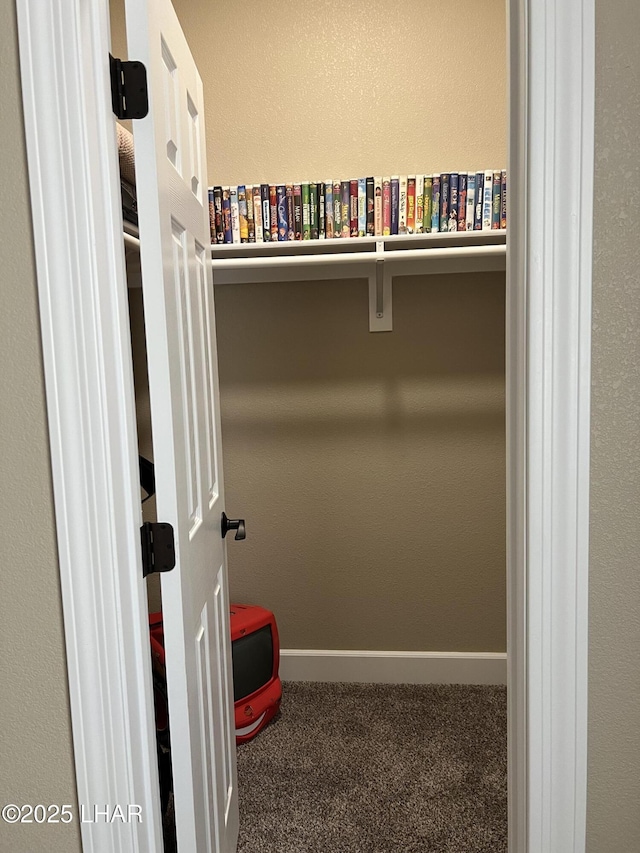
(359, 207)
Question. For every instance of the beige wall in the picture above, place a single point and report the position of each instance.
(614, 671)
(36, 756)
(342, 89)
(296, 91)
(370, 467)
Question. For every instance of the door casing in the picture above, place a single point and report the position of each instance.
(73, 174)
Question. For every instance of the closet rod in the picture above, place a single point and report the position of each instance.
(362, 259)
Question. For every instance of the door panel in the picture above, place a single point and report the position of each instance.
(183, 386)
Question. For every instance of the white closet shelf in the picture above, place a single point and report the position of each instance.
(356, 245)
(378, 259)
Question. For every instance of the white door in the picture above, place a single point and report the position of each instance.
(183, 383)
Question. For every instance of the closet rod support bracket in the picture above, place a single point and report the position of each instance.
(380, 299)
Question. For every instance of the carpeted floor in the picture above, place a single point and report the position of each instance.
(373, 768)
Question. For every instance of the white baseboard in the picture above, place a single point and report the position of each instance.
(393, 667)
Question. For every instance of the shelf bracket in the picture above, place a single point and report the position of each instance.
(380, 301)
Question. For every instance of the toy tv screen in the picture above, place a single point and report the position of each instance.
(252, 662)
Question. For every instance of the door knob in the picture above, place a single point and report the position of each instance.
(236, 524)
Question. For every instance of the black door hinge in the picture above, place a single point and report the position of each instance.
(129, 93)
(158, 547)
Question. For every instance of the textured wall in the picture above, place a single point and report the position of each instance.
(296, 91)
(614, 672)
(300, 90)
(370, 467)
(35, 736)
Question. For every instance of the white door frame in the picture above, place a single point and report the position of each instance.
(549, 260)
(87, 361)
(75, 199)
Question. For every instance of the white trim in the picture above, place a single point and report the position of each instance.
(73, 174)
(549, 284)
(383, 667)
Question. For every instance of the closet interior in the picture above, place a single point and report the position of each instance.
(369, 465)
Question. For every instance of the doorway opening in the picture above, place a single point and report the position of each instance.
(371, 467)
(572, 289)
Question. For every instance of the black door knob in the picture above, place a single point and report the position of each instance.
(236, 524)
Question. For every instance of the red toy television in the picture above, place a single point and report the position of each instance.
(255, 649)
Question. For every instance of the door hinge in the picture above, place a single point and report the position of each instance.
(129, 93)
(158, 547)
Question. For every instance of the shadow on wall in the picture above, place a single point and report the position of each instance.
(299, 356)
(444, 326)
(370, 466)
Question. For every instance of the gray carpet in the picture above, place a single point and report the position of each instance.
(373, 768)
